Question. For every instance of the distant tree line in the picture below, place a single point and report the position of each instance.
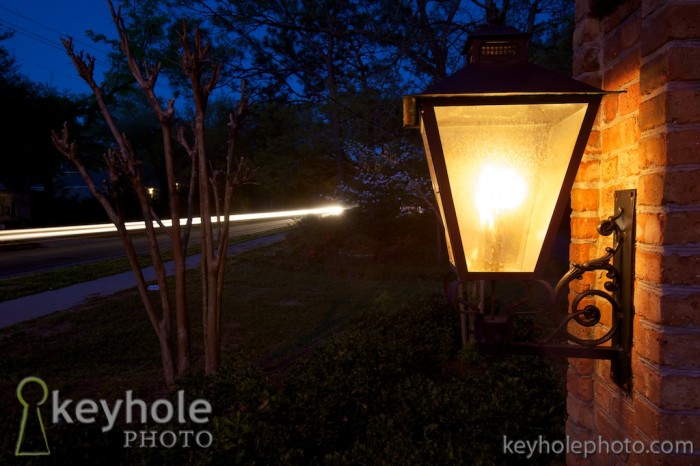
(322, 78)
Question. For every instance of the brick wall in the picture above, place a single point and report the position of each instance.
(646, 139)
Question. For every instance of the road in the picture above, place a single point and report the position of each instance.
(53, 253)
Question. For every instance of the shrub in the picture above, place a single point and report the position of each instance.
(376, 395)
(349, 380)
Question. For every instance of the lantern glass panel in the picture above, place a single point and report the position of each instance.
(506, 165)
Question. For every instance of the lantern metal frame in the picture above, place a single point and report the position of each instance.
(498, 74)
(492, 330)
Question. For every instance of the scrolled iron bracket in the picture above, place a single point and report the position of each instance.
(587, 309)
(591, 314)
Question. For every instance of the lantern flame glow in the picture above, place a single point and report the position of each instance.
(498, 189)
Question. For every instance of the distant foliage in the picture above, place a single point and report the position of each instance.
(391, 180)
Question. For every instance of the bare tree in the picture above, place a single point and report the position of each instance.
(214, 241)
(206, 183)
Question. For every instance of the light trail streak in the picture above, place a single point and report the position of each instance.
(56, 232)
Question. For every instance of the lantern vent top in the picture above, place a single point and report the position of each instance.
(497, 44)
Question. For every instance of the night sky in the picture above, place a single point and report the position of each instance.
(38, 25)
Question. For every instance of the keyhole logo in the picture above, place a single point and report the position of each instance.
(32, 435)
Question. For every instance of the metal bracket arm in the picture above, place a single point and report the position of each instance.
(492, 332)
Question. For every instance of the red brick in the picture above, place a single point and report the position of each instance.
(651, 189)
(624, 133)
(582, 10)
(647, 305)
(584, 227)
(622, 73)
(679, 392)
(583, 333)
(680, 427)
(612, 47)
(682, 227)
(651, 228)
(588, 171)
(607, 197)
(669, 269)
(683, 106)
(602, 368)
(652, 112)
(623, 412)
(610, 431)
(604, 308)
(573, 459)
(648, 266)
(679, 307)
(594, 144)
(652, 151)
(578, 433)
(587, 30)
(603, 397)
(610, 171)
(678, 106)
(683, 147)
(624, 157)
(609, 108)
(670, 22)
(629, 100)
(586, 283)
(680, 270)
(580, 367)
(641, 372)
(649, 343)
(668, 391)
(683, 62)
(622, 38)
(681, 310)
(582, 252)
(608, 428)
(681, 187)
(586, 60)
(581, 411)
(675, 350)
(592, 78)
(631, 30)
(646, 459)
(677, 64)
(584, 200)
(623, 11)
(674, 148)
(673, 106)
(649, 7)
(628, 162)
(580, 388)
(647, 417)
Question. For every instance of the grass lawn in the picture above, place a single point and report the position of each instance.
(275, 307)
(336, 388)
(28, 284)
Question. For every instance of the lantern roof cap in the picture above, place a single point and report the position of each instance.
(498, 66)
(496, 78)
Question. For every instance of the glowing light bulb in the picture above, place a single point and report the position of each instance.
(498, 189)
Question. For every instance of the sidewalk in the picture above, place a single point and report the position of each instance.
(48, 302)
